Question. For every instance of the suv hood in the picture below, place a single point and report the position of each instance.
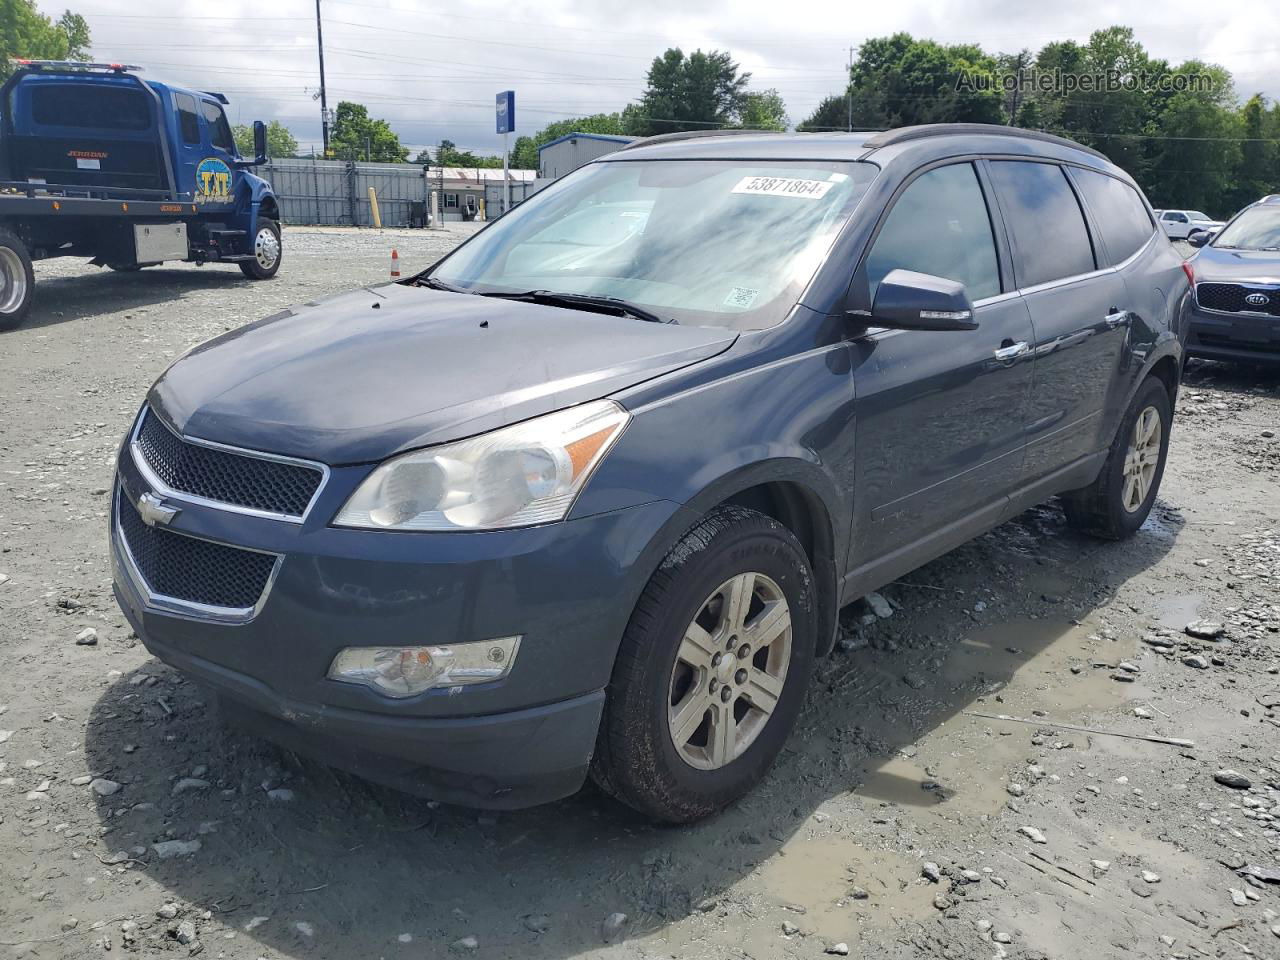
(1215, 264)
(374, 372)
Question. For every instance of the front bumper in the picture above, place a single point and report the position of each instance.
(1243, 337)
(567, 589)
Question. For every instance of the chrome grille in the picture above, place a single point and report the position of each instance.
(258, 483)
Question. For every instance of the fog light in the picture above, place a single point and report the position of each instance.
(406, 671)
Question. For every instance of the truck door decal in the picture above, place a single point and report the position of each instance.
(213, 181)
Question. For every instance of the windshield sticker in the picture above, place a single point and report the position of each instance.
(213, 181)
(741, 297)
(783, 187)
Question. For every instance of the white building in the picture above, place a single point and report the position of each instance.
(462, 190)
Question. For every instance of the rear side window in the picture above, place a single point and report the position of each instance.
(188, 121)
(940, 226)
(219, 129)
(98, 106)
(1119, 213)
(1051, 239)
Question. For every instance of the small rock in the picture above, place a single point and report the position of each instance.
(931, 871)
(1204, 629)
(789, 929)
(1197, 661)
(280, 795)
(914, 680)
(188, 784)
(304, 928)
(405, 938)
(941, 901)
(88, 637)
(467, 944)
(1032, 834)
(879, 606)
(1238, 897)
(857, 893)
(838, 949)
(971, 876)
(1230, 778)
(1128, 667)
(537, 923)
(104, 788)
(186, 932)
(1149, 876)
(168, 912)
(167, 849)
(1100, 866)
(613, 926)
(81, 781)
(1139, 889)
(70, 924)
(1015, 789)
(1001, 936)
(1142, 713)
(254, 923)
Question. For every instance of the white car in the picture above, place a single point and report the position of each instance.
(1180, 224)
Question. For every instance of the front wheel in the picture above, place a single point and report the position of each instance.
(17, 280)
(267, 252)
(712, 669)
(1116, 504)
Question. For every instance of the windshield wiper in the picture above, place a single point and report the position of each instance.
(435, 284)
(552, 299)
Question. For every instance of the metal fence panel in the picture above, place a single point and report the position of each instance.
(334, 192)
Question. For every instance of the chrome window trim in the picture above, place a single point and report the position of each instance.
(1137, 253)
(1271, 286)
(161, 603)
(1063, 281)
(159, 486)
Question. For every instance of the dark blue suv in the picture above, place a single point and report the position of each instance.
(586, 496)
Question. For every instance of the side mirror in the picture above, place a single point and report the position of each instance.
(906, 300)
(259, 142)
(1198, 239)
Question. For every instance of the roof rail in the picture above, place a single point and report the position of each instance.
(1271, 198)
(692, 135)
(905, 134)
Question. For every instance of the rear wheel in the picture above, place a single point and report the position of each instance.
(712, 669)
(17, 280)
(1116, 504)
(124, 267)
(267, 252)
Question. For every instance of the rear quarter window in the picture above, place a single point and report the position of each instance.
(219, 129)
(97, 106)
(1118, 213)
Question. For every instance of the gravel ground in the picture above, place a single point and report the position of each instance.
(903, 820)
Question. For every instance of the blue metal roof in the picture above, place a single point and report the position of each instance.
(607, 137)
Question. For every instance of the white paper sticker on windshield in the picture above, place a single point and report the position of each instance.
(783, 187)
(741, 297)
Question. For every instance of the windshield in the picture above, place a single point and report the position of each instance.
(1256, 229)
(707, 242)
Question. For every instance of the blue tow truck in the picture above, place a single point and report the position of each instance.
(97, 162)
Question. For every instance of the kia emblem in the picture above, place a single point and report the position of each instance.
(1257, 299)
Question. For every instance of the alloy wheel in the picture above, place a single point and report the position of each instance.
(1141, 459)
(729, 671)
(13, 281)
(266, 248)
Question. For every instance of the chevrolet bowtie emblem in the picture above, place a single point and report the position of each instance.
(153, 510)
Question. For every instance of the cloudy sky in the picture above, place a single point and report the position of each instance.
(432, 69)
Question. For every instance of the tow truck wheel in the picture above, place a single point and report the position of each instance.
(267, 252)
(17, 281)
(124, 267)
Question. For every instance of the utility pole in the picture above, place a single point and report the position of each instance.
(849, 87)
(324, 103)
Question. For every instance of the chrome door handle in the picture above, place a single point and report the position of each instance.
(1013, 351)
(1116, 317)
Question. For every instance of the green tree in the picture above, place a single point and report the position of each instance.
(524, 154)
(1194, 146)
(900, 81)
(700, 91)
(281, 144)
(448, 155)
(1257, 175)
(831, 114)
(763, 110)
(357, 136)
(27, 33)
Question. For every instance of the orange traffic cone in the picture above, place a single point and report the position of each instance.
(395, 264)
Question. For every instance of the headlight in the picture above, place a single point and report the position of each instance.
(404, 671)
(517, 476)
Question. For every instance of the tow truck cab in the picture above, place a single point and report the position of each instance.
(129, 172)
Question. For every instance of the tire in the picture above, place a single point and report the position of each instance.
(17, 281)
(638, 759)
(1110, 507)
(268, 252)
(124, 267)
